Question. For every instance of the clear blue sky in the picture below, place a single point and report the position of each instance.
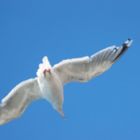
(106, 108)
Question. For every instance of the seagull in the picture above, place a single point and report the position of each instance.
(49, 82)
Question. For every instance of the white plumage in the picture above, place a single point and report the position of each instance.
(50, 80)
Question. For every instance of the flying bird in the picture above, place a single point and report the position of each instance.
(49, 82)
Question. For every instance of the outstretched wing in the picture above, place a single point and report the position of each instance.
(18, 99)
(83, 69)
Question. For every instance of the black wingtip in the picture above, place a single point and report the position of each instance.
(127, 43)
(125, 46)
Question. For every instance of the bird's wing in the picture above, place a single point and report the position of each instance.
(18, 99)
(83, 69)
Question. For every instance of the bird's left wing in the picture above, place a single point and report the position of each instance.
(18, 99)
(83, 69)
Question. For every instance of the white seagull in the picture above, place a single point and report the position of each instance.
(50, 80)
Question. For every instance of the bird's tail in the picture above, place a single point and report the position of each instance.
(44, 65)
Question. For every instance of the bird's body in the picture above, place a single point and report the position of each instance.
(50, 80)
(52, 90)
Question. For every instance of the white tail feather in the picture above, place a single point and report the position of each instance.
(44, 65)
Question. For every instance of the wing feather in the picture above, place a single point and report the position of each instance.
(85, 68)
(14, 104)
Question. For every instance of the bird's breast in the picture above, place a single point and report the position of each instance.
(51, 89)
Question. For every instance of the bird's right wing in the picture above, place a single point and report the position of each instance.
(83, 69)
(18, 99)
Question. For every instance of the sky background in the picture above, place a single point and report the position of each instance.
(106, 108)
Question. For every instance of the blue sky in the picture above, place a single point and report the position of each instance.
(106, 108)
